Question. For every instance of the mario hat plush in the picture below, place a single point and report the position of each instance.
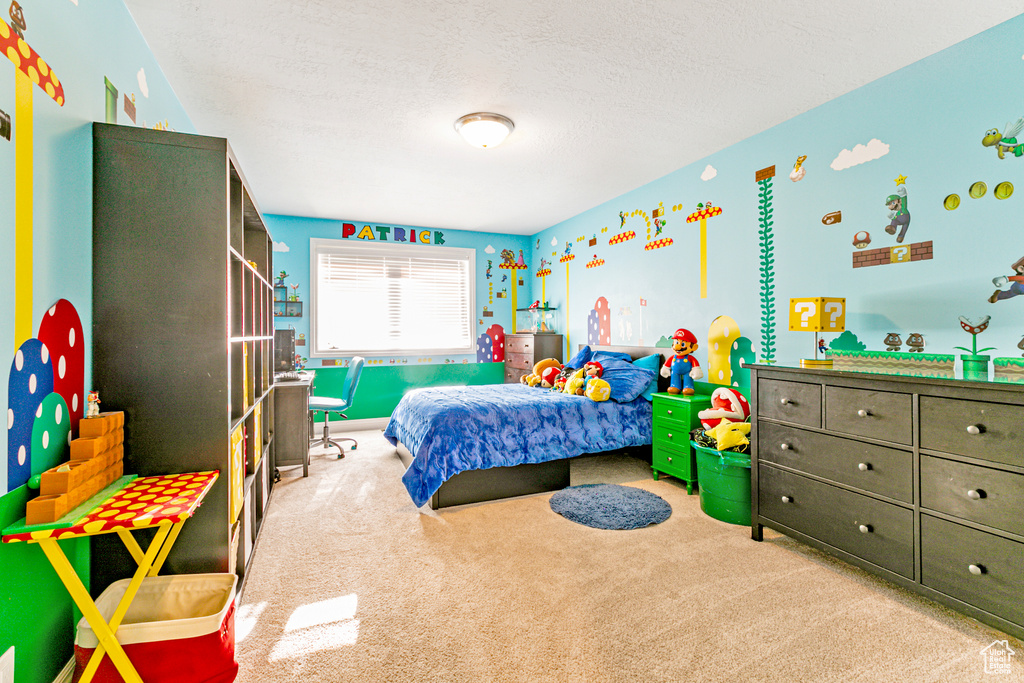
(727, 405)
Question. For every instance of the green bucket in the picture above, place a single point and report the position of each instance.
(724, 481)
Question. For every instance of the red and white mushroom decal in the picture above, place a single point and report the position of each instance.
(61, 331)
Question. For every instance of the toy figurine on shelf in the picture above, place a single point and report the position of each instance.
(683, 368)
(93, 407)
(280, 278)
(300, 362)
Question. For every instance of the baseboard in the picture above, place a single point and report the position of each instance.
(67, 673)
(361, 425)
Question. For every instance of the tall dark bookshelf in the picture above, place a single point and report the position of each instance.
(183, 334)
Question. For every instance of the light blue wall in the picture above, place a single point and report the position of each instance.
(932, 115)
(291, 254)
(83, 43)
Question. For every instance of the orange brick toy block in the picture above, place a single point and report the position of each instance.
(46, 509)
(98, 426)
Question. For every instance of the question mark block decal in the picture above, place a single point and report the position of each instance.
(817, 314)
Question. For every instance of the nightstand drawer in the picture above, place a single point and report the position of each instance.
(671, 435)
(873, 530)
(677, 462)
(990, 431)
(980, 494)
(795, 402)
(880, 415)
(981, 569)
(885, 471)
(680, 409)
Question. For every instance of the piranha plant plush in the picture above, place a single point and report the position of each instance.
(683, 368)
(727, 405)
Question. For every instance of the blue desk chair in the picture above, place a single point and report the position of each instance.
(336, 405)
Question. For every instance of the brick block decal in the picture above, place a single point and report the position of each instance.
(902, 253)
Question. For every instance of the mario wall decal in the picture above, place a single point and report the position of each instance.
(1016, 282)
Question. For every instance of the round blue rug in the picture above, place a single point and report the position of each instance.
(610, 506)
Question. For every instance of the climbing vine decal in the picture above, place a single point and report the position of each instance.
(767, 268)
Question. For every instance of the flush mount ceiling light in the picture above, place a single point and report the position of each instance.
(484, 130)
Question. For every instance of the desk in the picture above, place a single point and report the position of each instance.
(291, 421)
(164, 501)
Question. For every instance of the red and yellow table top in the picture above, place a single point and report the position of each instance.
(144, 502)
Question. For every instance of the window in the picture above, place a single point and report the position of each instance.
(390, 298)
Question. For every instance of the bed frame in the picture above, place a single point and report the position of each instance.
(476, 486)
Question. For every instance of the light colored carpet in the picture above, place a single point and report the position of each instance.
(352, 583)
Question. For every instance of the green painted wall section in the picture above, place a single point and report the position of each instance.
(381, 388)
(37, 616)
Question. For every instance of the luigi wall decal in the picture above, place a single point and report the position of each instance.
(899, 214)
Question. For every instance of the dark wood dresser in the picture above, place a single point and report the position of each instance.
(523, 350)
(918, 480)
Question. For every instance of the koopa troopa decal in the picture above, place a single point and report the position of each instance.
(1007, 140)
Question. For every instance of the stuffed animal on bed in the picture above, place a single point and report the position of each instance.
(597, 389)
(535, 377)
(563, 376)
(591, 371)
(549, 375)
(574, 384)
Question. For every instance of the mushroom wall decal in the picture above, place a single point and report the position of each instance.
(30, 69)
(702, 214)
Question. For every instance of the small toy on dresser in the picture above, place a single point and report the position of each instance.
(93, 408)
(683, 368)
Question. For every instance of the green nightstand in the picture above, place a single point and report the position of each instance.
(674, 416)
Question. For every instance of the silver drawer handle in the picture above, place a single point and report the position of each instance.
(974, 494)
(787, 499)
(670, 435)
(785, 401)
(976, 569)
(973, 430)
(669, 411)
(862, 413)
(784, 446)
(670, 458)
(863, 467)
(865, 528)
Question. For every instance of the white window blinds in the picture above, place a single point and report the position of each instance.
(390, 298)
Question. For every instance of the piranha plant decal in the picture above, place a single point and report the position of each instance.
(1007, 140)
(767, 268)
(974, 329)
(975, 365)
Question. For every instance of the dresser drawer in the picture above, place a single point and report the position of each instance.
(989, 431)
(519, 360)
(795, 402)
(678, 462)
(973, 566)
(516, 343)
(882, 415)
(514, 375)
(671, 435)
(881, 470)
(873, 530)
(980, 494)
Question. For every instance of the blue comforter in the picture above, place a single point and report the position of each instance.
(452, 429)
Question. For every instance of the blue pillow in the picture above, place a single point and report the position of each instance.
(582, 356)
(651, 362)
(627, 381)
(601, 356)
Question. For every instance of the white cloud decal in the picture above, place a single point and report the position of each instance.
(554, 241)
(709, 173)
(281, 246)
(860, 154)
(143, 86)
(489, 249)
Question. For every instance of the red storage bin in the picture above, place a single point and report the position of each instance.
(179, 629)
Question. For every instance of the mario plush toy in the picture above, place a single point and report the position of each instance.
(591, 370)
(683, 368)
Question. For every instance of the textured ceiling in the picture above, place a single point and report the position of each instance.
(341, 109)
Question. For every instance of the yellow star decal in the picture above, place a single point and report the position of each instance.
(899, 180)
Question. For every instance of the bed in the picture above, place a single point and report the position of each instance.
(485, 442)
